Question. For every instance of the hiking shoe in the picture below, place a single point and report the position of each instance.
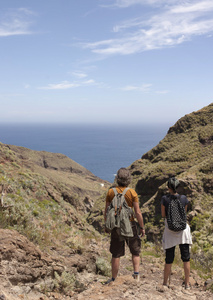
(136, 277)
(109, 281)
(188, 287)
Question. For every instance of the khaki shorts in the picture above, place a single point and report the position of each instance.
(117, 247)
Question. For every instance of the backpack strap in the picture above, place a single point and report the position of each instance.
(115, 191)
(124, 192)
(116, 202)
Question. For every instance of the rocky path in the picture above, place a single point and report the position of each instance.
(125, 287)
(148, 287)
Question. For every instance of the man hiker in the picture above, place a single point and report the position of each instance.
(117, 244)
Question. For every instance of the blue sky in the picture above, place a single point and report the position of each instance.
(103, 61)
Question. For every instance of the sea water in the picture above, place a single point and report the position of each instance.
(101, 149)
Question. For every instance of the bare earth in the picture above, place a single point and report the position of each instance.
(20, 261)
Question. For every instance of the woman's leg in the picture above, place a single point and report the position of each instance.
(185, 256)
(186, 265)
(170, 254)
(167, 272)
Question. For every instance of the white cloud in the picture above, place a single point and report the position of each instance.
(172, 25)
(16, 22)
(67, 85)
(204, 6)
(79, 74)
(128, 3)
(162, 92)
(142, 88)
(59, 86)
(90, 81)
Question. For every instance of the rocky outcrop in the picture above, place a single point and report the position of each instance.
(23, 267)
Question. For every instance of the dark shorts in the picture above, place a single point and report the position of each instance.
(184, 250)
(117, 247)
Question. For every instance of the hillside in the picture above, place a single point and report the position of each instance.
(187, 152)
(45, 238)
(52, 244)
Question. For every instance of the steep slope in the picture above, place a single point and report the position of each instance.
(188, 143)
(45, 198)
(186, 152)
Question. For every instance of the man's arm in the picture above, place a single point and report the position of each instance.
(106, 206)
(139, 217)
(105, 211)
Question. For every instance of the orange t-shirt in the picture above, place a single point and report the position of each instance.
(130, 196)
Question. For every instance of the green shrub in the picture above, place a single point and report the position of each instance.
(103, 267)
(64, 283)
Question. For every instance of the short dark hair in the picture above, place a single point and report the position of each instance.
(123, 177)
(173, 183)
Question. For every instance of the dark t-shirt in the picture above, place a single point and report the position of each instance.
(167, 198)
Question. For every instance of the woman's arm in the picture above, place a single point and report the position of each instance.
(163, 211)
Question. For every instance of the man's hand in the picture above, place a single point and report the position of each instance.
(106, 230)
(142, 231)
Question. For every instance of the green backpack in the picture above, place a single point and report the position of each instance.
(118, 215)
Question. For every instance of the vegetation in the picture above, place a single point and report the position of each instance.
(53, 201)
(186, 152)
(48, 207)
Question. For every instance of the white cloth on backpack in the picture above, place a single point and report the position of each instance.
(173, 238)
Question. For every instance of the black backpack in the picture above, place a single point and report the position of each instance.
(176, 214)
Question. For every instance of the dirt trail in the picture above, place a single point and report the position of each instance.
(124, 287)
(149, 285)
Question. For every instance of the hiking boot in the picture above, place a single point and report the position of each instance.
(188, 287)
(110, 280)
(136, 277)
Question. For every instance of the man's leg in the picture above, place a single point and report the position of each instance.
(135, 249)
(136, 263)
(117, 249)
(115, 266)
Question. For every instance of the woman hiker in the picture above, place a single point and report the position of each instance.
(172, 238)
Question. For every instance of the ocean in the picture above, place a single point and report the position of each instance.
(101, 149)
